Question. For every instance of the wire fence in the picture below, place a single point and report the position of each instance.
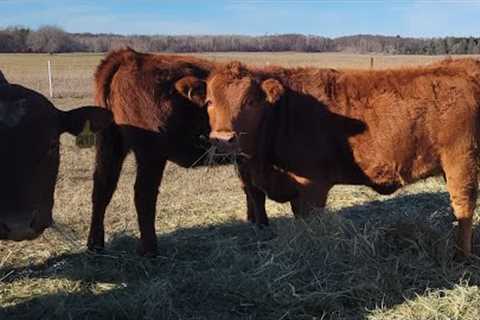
(72, 74)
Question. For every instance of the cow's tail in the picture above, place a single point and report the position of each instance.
(111, 148)
(106, 71)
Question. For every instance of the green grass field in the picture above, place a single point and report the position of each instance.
(368, 257)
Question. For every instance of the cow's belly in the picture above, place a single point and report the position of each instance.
(388, 178)
(387, 166)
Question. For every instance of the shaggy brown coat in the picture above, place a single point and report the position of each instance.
(304, 130)
(149, 97)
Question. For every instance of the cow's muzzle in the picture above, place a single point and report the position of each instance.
(23, 226)
(225, 141)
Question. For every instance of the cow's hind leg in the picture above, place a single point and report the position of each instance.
(461, 172)
(110, 155)
(149, 175)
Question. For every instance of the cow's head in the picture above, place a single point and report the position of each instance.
(30, 128)
(237, 101)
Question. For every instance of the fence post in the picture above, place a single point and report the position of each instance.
(50, 79)
(371, 62)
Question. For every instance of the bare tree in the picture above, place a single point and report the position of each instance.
(51, 39)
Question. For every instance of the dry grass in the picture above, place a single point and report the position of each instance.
(368, 257)
(73, 73)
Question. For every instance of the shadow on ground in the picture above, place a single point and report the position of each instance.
(339, 265)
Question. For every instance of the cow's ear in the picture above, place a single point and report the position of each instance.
(193, 89)
(273, 90)
(74, 121)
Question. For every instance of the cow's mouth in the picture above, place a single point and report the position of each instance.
(226, 148)
(24, 229)
(225, 143)
(18, 234)
(202, 142)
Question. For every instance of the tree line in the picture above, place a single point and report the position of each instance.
(51, 39)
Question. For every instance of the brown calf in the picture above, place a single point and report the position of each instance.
(157, 117)
(301, 131)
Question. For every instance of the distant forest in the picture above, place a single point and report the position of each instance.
(52, 39)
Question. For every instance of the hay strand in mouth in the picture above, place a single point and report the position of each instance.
(206, 155)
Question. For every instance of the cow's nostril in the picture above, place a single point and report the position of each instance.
(33, 222)
(4, 231)
(222, 136)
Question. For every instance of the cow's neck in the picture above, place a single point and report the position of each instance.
(268, 174)
(299, 133)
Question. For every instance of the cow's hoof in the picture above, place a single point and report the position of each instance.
(264, 232)
(262, 226)
(460, 257)
(95, 246)
(96, 240)
(96, 250)
(146, 251)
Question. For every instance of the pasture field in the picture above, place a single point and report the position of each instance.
(367, 257)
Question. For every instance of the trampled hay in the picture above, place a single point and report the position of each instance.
(368, 257)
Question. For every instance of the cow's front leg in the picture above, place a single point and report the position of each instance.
(310, 201)
(255, 198)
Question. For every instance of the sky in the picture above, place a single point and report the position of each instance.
(249, 17)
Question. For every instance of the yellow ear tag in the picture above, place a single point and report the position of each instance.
(86, 138)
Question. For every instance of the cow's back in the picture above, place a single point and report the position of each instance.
(139, 90)
(413, 117)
